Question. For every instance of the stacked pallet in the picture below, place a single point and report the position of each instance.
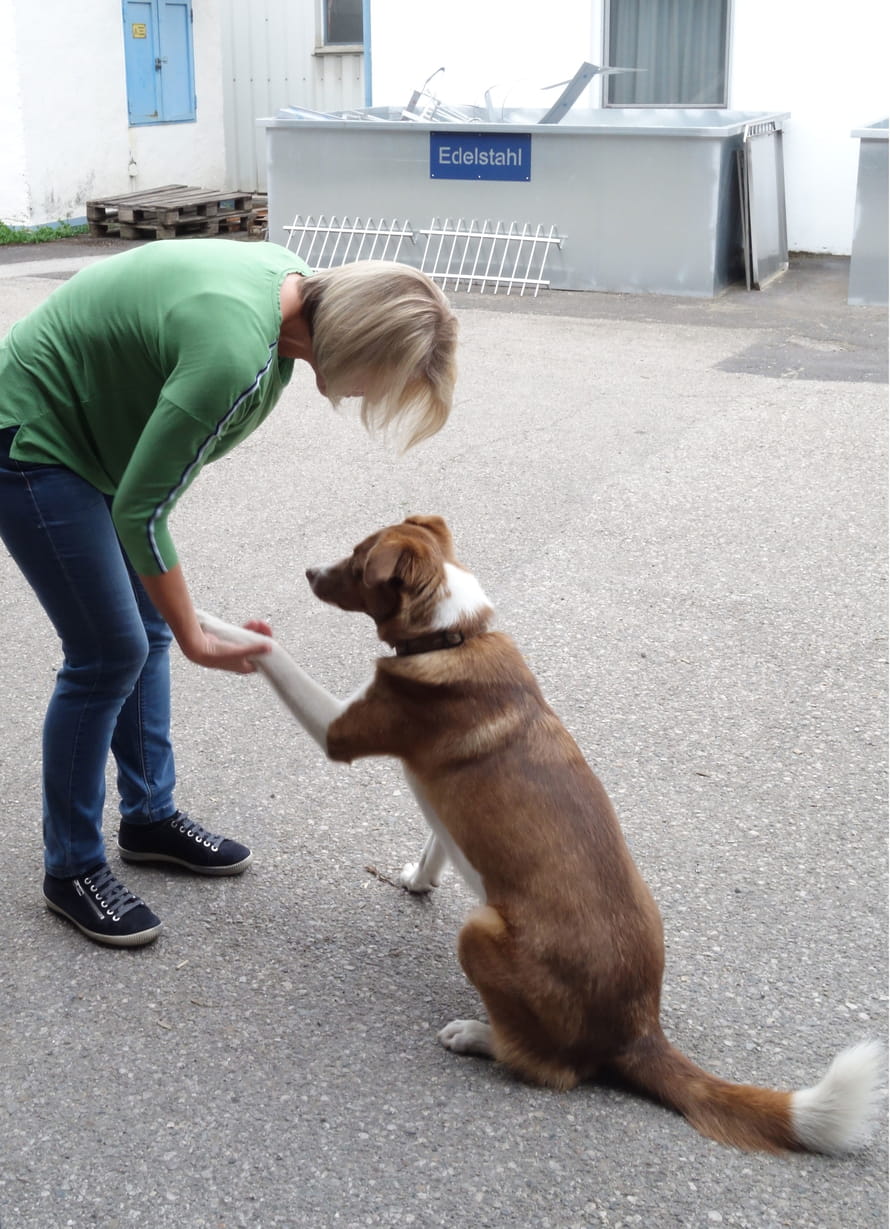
(171, 212)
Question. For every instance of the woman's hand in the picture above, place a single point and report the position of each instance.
(171, 597)
(240, 659)
(218, 654)
(257, 625)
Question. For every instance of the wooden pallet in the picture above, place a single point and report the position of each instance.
(170, 212)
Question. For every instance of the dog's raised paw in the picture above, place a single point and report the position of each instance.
(466, 1037)
(228, 631)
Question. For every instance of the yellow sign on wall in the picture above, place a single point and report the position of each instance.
(140, 29)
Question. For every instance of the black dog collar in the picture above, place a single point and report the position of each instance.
(429, 644)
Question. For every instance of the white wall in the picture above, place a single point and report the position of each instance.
(480, 44)
(826, 63)
(69, 95)
(823, 62)
(14, 197)
(67, 132)
(191, 153)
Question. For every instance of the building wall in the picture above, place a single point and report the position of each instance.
(826, 64)
(823, 63)
(66, 132)
(65, 135)
(14, 193)
(270, 61)
(481, 47)
(67, 97)
(190, 153)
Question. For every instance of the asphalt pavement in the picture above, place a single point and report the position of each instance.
(678, 508)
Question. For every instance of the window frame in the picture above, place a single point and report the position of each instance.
(650, 106)
(325, 47)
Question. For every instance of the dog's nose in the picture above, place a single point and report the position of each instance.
(311, 574)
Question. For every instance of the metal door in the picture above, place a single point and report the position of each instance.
(160, 61)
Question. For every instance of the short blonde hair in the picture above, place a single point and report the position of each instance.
(391, 327)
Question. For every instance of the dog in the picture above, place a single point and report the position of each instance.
(566, 947)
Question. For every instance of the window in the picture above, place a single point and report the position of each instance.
(342, 23)
(680, 46)
(160, 61)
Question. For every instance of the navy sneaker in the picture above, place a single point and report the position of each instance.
(101, 907)
(185, 842)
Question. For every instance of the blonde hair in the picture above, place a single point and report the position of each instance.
(391, 328)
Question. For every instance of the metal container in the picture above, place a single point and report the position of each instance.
(645, 200)
(869, 257)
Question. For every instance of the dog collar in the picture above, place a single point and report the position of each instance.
(429, 644)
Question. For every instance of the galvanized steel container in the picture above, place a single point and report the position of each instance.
(869, 257)
(646, 200)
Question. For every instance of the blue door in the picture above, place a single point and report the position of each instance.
(160, 61)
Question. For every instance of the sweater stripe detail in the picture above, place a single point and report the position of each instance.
(198, 460)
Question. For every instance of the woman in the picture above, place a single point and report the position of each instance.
(113, 394)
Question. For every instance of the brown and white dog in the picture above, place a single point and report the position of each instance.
(566, 948)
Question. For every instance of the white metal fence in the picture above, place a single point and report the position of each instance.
(456, 254)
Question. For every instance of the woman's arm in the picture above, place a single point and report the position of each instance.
(170, 595)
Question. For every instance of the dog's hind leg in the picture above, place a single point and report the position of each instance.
(467, 1037)
(517, 1035)
(483, 930)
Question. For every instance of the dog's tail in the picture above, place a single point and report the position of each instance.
(835, 1116)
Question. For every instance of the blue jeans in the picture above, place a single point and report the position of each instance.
(112, 691)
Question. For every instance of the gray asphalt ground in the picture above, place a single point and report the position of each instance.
(678, 508)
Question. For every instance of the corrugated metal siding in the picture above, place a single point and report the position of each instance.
(339, 81)
(268, 51)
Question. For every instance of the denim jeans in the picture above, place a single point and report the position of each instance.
(112, 691)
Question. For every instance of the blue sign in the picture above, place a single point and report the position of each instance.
(477, 155)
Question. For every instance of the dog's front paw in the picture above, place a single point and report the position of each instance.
(228, 631)
(467, 1037)
(415, 879)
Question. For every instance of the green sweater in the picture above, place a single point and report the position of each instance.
(145, 366)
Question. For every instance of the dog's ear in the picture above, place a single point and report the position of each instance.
(436, 526)
(403, 558)
(382, 563)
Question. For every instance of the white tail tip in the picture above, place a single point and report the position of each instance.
(840, 1113)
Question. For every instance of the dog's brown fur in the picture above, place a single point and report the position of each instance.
(567, 949)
